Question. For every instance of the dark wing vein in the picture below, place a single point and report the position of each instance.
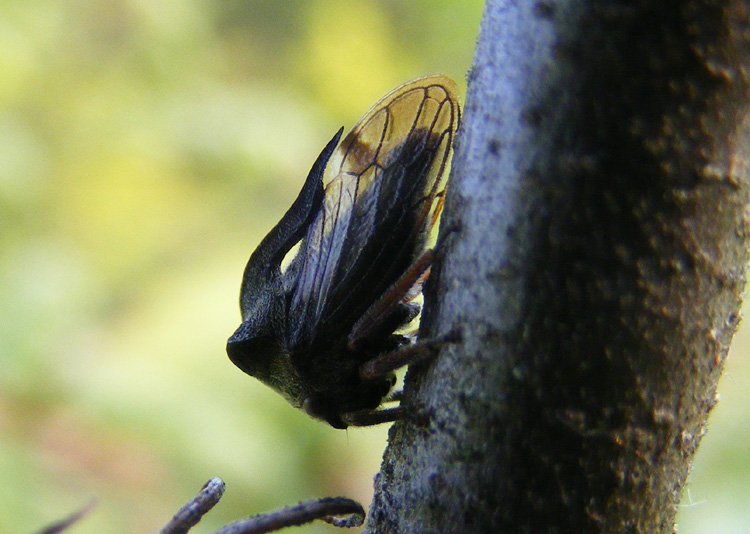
(384, 179)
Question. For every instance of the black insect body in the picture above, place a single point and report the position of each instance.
(322, 332)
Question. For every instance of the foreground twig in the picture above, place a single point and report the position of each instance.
(65, 523)
(338, 511)
(189, 515)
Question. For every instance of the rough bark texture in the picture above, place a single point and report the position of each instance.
(596, 264)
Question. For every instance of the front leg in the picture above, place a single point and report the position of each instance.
(386, 363)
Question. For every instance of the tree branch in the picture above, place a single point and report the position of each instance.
(600, 185)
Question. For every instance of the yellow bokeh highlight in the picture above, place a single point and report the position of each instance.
(350, 54)
(119, 206)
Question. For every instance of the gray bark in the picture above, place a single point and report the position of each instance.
(595, 266)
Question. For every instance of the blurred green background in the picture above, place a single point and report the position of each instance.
(145, 149)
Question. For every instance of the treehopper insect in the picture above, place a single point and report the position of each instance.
(323, 331)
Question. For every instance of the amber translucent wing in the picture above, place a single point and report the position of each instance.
(383, 191)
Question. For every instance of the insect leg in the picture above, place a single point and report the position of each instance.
(390, 361)
(385, 364)
(380, 311)
(373, 417)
